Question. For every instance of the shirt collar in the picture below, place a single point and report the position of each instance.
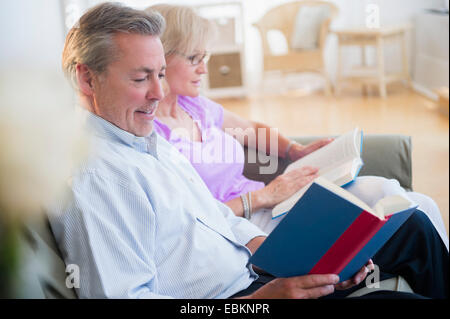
(109, 131)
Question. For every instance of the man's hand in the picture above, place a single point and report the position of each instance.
(298, 151)
(358, 278)
(301, 287)
(308, 286)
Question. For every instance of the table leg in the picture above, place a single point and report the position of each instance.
(380, 62)
(337, 88)
(363, 64)
(405, 60)
(328, 86)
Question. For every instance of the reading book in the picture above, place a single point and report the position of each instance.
(329, 230)
(339, 161)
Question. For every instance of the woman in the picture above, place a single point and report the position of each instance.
(196, 126)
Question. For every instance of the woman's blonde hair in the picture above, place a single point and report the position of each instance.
(185, 30)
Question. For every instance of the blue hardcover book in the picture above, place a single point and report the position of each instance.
(340, 162)
(329, 230)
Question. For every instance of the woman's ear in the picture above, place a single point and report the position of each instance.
(85, 78)
(165, 87)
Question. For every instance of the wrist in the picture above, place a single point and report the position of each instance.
(291, 149)
(288, 149)
(260, 199)
(294, 151)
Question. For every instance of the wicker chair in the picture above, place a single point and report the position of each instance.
(282, 18)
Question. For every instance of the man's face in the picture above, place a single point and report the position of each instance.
(127, 94)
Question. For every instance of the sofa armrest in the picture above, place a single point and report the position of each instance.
(383, 155)
(43, 272)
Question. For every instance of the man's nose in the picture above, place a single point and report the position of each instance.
(156, 91)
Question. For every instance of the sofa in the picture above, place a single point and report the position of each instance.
(383, 155)
(43, 272)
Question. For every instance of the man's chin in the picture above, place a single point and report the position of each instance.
(144, 132)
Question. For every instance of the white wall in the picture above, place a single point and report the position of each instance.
(431, 67)
(31, 35)
(32, 31)
(32, 39)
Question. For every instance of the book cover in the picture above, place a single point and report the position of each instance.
(325, 233)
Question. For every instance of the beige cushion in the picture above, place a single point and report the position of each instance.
(307, 27)
(43, 274)
(383, 155)
(392, 284)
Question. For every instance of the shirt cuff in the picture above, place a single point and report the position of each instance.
(244, 231)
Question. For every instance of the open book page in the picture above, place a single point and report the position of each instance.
(344, 173)
(338, 161)
(384, 207)
(343, 149)
(391, 205)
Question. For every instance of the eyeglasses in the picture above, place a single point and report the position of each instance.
(198, 58)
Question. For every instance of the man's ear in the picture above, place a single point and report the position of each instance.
(85, 79)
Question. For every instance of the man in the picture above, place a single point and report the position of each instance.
(141, 223)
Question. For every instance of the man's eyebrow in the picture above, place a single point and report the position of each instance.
(147, 70)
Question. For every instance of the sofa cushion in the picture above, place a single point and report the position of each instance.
(307, 27)
(383, 155)
(48, 269)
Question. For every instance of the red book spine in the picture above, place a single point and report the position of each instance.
(348, 245)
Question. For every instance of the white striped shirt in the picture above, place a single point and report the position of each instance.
(142, 224)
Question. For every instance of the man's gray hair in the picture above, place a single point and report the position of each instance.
(90, 41)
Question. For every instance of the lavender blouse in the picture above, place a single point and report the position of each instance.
(219, 158)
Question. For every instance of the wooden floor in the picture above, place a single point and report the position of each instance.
(402, 112)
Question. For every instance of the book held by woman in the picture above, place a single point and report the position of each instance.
(340, 162)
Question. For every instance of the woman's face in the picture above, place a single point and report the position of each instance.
(184, 76)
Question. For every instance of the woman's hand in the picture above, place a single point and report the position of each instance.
(298, 151)
(285, 185)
